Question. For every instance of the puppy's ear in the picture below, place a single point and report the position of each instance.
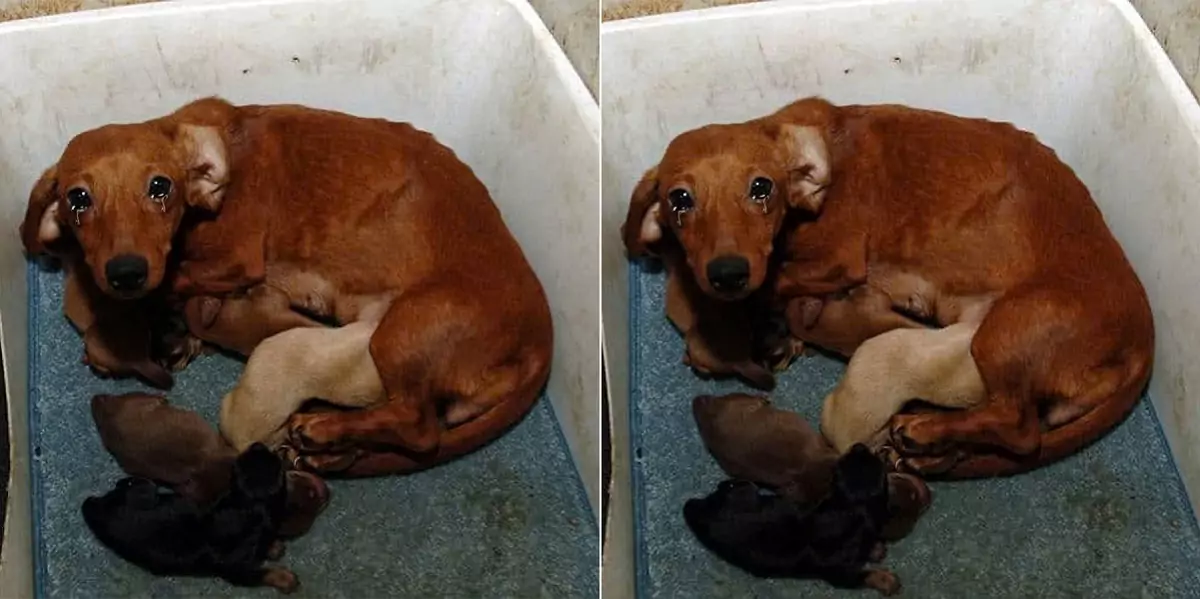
(806, 154)
(43, 224)
(207, 160)
(643, 223)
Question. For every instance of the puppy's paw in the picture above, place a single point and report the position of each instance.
(884, 581)
(314, 432)
(781, 356)
(282, 579)
(178, 352)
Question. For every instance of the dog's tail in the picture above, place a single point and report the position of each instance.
(1069, 438)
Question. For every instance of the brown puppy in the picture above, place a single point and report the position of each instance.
(753, 440)
(152, 439)
(840, 322)
(956, 220)
(238, 323)
(385, 223)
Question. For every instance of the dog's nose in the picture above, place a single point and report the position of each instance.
(728, 273)
(127, 272)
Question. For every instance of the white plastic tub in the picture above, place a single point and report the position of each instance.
(1086, 76)
(484, 76)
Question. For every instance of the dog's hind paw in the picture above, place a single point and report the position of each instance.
(917, 434)
(314, 432)
(327, 463)
(884, 581)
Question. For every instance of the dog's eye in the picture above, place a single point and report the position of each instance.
(160, 187)
(78, 199)
(681, 200)
(760, 189)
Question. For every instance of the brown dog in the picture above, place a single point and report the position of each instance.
(355, 219)
(956, 220)
(753, 440)
(152, 439)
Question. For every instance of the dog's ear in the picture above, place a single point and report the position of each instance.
(43, 225)
(643, 223)
(207, 159)
(806, 156)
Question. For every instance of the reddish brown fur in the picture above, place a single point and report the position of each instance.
(239, 323)
(954, 219)
(345, 215)
(841, 322)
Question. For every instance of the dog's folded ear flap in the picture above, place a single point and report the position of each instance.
(43, 225)
(207, 163)
(807, 158)
(643, 223)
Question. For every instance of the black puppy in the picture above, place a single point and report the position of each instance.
(771, 536)
(168, 534)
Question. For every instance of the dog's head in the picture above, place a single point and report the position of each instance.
(722, 192)
(747, 526)
(860, 476)
(259, 474)
(908, 499)
(307, 496)
(718, 514)
(118, 194)
(107, 512)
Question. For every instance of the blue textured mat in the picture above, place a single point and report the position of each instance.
(1110, 522)
(510, 520)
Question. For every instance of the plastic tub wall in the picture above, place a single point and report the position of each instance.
(485, 77)
(1087, 77)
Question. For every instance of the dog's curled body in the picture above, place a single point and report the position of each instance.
(353, 219)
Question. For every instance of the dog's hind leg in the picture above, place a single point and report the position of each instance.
(1039, 354)
(451, 367)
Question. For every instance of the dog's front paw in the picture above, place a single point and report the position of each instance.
(314, 432)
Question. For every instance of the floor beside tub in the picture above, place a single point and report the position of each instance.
(1110, 522)
(510, 520)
